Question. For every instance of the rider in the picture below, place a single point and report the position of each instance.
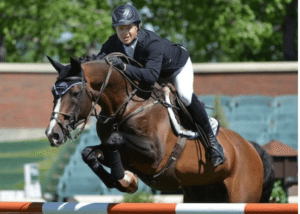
(162, 60)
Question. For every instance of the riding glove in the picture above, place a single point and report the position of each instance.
(117, 62)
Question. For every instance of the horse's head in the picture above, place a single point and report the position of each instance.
(72, 105)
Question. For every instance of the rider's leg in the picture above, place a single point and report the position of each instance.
(198, 111)
(184, 85)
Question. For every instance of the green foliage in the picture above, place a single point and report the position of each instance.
(138, 197)
(32, 29)
(218, 112)
(221, 30)
(278, 194)
(212, 30)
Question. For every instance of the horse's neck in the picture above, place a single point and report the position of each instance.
(116, 90)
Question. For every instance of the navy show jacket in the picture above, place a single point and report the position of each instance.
(159, 57)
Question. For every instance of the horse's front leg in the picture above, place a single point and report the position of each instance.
(91, 156)
(126, 178)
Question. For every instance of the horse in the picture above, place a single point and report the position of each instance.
(139, 140)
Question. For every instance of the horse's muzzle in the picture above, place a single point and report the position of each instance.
(56, 136)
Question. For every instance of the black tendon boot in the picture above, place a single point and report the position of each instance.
(215, 150)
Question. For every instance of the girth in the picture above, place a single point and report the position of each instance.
(166, 179)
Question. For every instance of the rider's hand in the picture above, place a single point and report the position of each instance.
(117, 62)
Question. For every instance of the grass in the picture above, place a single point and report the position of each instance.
(138, 197)
(13, 156)
(52, 170)
(51, 162)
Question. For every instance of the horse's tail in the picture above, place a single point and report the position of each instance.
(268, 173)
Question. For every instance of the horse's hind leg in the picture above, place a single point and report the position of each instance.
(213, 193)
(245, 186)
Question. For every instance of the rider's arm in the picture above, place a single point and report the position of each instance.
(150, 73)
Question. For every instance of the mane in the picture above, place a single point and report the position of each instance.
(91, 58)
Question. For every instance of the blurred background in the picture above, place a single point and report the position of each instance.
(245, 56)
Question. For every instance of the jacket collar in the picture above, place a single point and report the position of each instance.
(140, 43)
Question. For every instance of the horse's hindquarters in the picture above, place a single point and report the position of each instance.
(238, 180)
(245, 181)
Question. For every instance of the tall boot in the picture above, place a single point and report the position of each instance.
(197, 110)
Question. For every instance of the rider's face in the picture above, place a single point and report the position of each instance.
(127, 33)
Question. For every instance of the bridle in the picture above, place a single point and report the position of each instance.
(73, 118)
(72, 121)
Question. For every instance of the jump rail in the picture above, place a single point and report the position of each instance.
(110, 208)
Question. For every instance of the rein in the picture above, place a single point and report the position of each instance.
(71, 125)
(104, 119)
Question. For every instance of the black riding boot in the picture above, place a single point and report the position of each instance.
(198, 112)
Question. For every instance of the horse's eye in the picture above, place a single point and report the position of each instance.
(76, 93)
(67, 117)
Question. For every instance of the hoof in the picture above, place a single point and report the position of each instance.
(129, 182)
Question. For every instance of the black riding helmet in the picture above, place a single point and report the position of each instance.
(125, 15)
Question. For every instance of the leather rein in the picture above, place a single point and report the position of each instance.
(73, 123)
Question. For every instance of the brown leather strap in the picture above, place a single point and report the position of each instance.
(175, 154)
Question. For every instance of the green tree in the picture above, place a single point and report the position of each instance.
(223, 30)
(212, 30)
(32, 29)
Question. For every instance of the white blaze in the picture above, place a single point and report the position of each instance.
(53, 122)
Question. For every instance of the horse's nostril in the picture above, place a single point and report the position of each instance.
(56, 136)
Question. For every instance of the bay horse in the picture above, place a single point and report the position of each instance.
(138, 139)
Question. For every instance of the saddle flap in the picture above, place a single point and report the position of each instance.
(179, 115)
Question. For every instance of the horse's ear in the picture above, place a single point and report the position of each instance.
(56, 65)
(75, 66)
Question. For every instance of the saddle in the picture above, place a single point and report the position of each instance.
(181, 119)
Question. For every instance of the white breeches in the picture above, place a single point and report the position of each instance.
(184, 82)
